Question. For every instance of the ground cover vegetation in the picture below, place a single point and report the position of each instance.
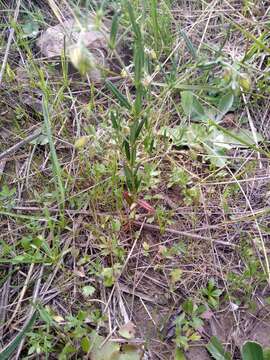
(134, 179)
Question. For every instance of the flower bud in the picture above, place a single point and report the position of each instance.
(245, 82)
(81, 142)
(81, 58)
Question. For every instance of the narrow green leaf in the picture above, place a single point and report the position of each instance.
(216, 349)
(114, 121)
(133, 129)
(133, 21)
(139, 127)
(251, 350)
(133, 155)
(190, 46)
(127, 149)
(154, 17)
(137, 181)
(138, 101)
(114, 29)
(129, 177)
(54, 159)
(138, 62)
(179, 354)
(120, 97)
(6, 353)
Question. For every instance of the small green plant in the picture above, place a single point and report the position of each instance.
(128, 142)
(7, 197)
(110, 274)
(212, 294)
(187, 324)
(40, 342)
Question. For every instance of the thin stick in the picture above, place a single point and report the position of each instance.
(17, 146)
(26, 283)
(4, 63)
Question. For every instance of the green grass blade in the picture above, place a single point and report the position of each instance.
(190, 46)
(114, 30)
(133, 21)
(154, 18)
(123, 101)
(55, 162)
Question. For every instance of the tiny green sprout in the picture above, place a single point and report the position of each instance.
(110, 274)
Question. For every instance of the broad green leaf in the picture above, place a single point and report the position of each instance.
(85, 344)
(110, 350)
(129, 352)
(198, 112)
(30, 29)
(127, 331)
(216, 155)
(66, 351)
(5, 354)
(188, 306)
(187, 102)
(224, 105)
(192, 107)
(120, 97)
(251, 350)
(45, 315)
(216, 349)
(179, 354)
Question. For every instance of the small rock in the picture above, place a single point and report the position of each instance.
(55, 39)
